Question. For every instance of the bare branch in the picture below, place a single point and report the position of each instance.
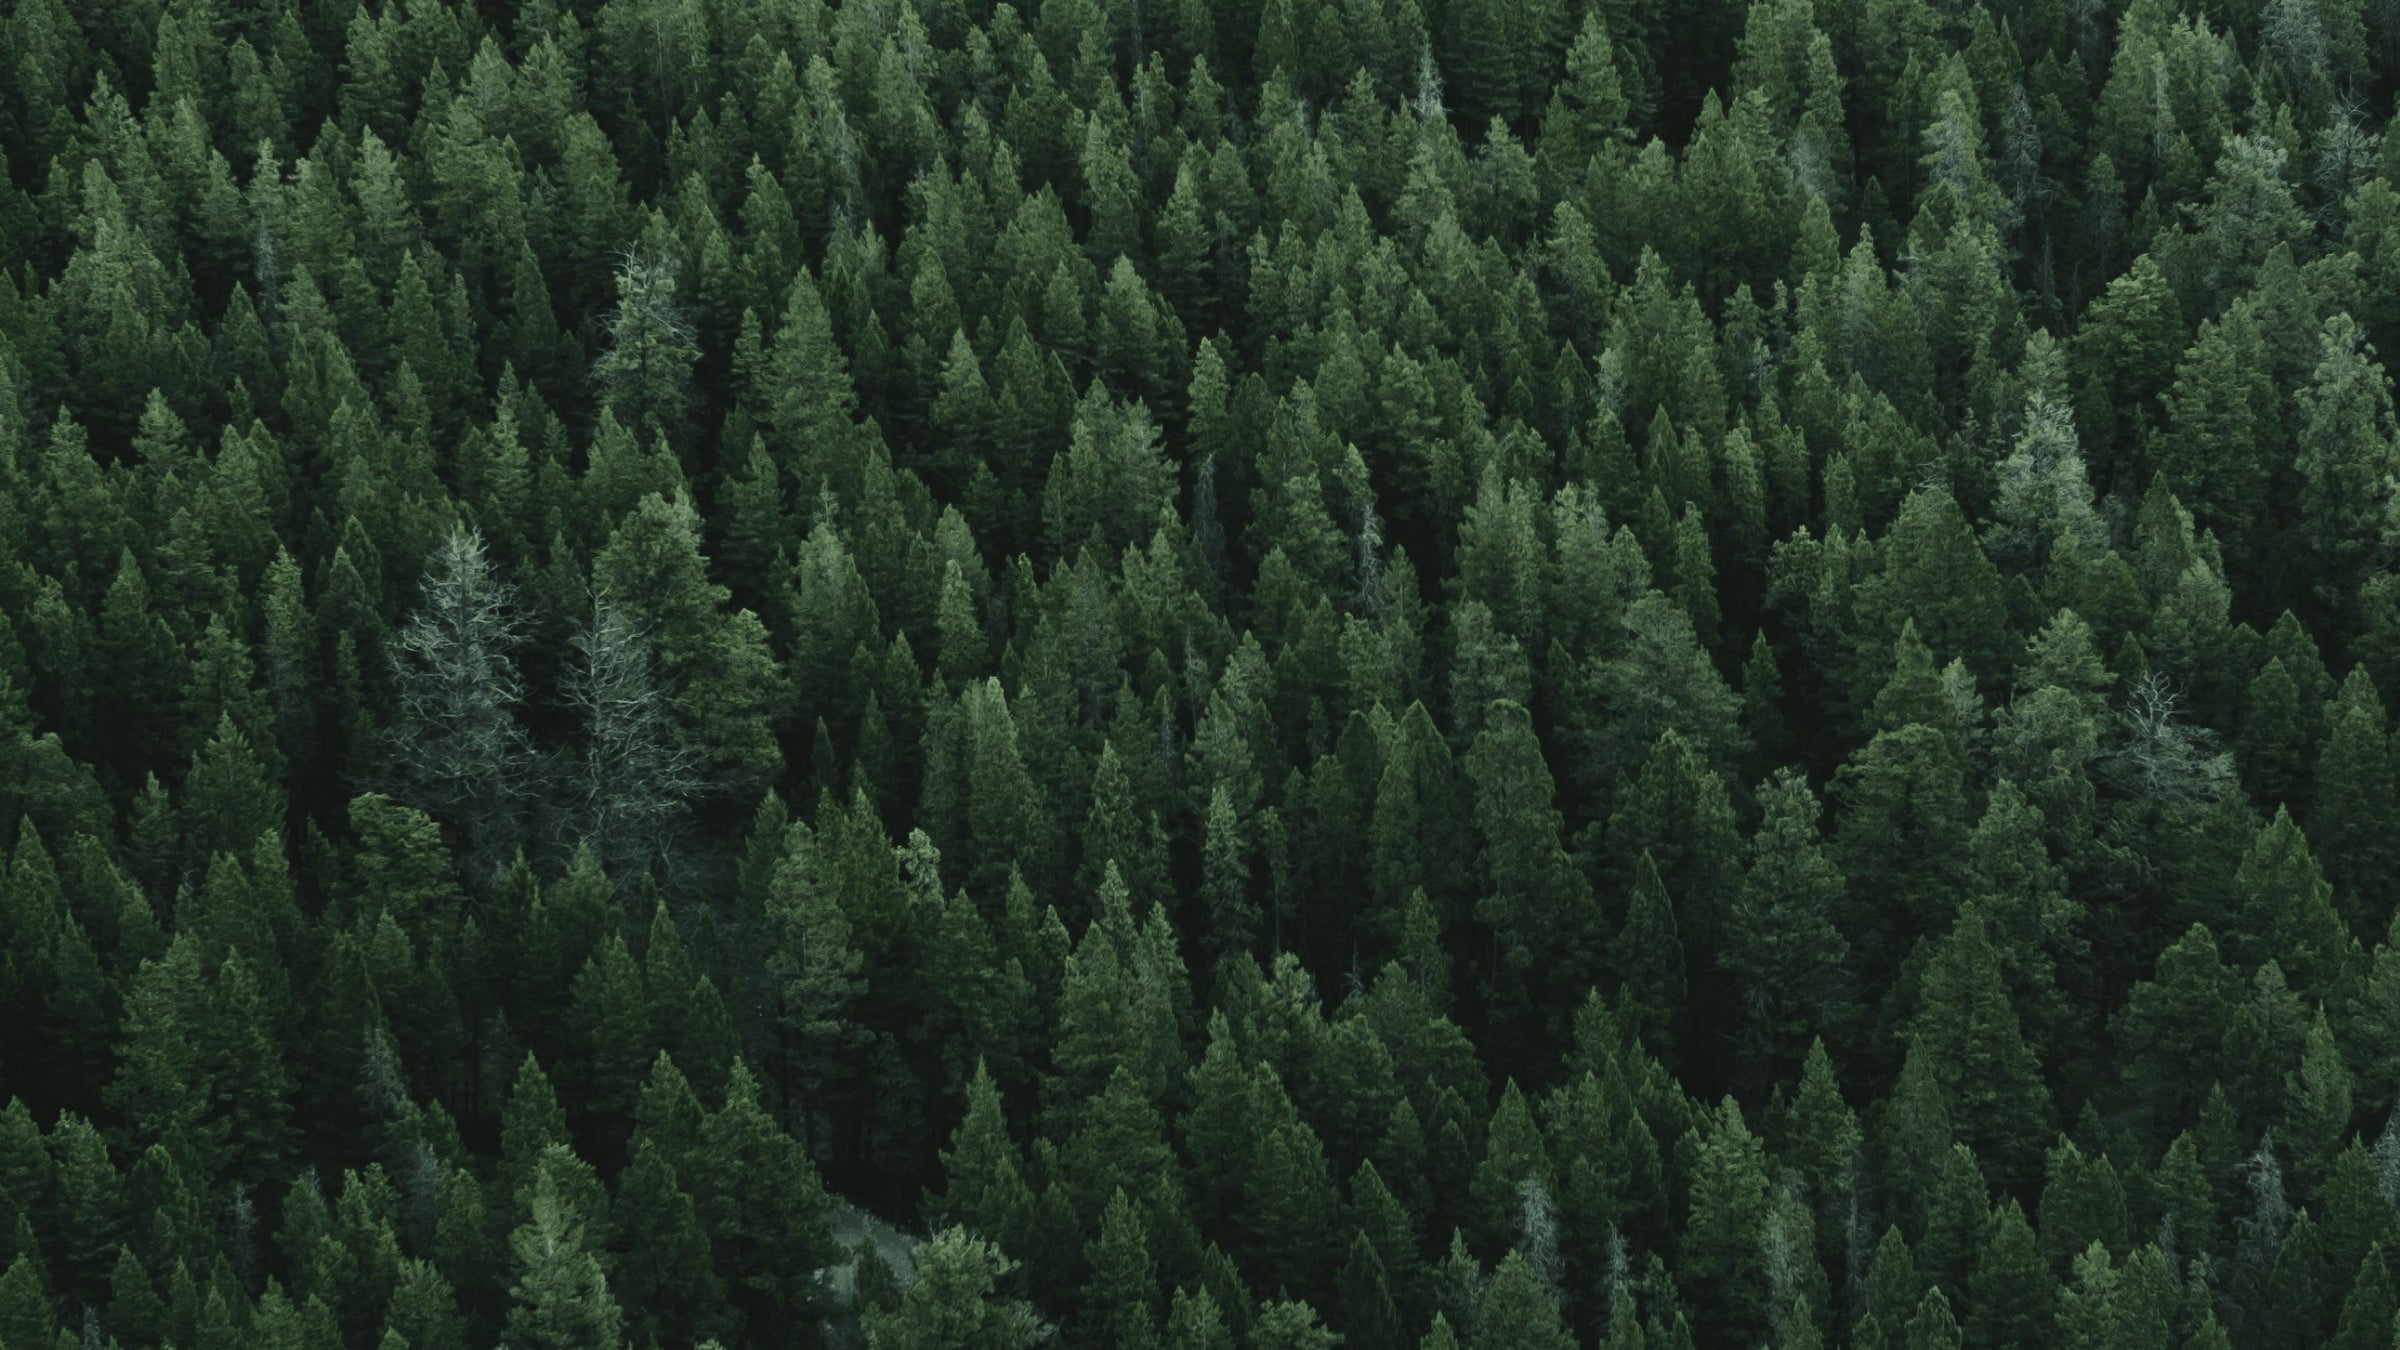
(634, 779)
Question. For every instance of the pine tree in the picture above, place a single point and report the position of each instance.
(985, 1188)
(228, 801)
(560, 1297)
(139, 665)
(1518, 1312)
(2082, 1203)
(197, 1070)
(1661, 679)
(2349, 452)
(811, 398)
(1969, 1032)
(2300, 1293)
(1008, 823)
(1418, 836)
(1902, 837)
(650, 348)
(2351, 812)
(2274, 737)
(1367, 1313)
(1680, 811)
(1513, 1159)
(764, 1206)
(1123, 1282)
(1822, 1139)
(715, 666)
(457, 738)
(1720, 1248)
(26, 1316)
(1536, 902)
(1589, 110)
(955, 1301)
(2014, 1296)
(424, 1309)
(2368, 1309)
(2317, 1122)
(1288, 1205)
(2101, 1307)
(1781, 939)
(1935, 573)
(2223, 408)
(636, 777)
(1232, 912)
(1117, 832)
(2287, 913)
(817, 962)
(1290, 1325)
(1648, 960)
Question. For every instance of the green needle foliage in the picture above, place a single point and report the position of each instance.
(1167, 673)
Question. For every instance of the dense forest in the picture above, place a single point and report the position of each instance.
(1446, 674)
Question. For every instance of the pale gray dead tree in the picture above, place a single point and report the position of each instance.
(2295, 33)
(2018, 163)
(1858, 1240)
(2259, 1234)
(1427, 104)
(1537, 1229)
(457, 747)
(2162, 758)
(240, 1232)
(1208, 533)
(1617, 1279)
(633, 778)
(1372, 598)
(2347, 155)
(2386, 1157)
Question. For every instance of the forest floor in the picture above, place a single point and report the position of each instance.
(853, 1228)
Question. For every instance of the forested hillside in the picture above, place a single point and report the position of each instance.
(1465, 674)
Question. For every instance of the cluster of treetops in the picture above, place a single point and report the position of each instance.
(1466, 674)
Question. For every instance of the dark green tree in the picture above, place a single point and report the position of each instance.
(1969, 1033)
(1781, 939)
(2348, 452)
(647, 362)
(720, 682)
(1535, 901)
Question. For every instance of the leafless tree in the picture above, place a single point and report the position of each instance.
(633, 778)
(2163, 758)
(1537, 1226)
(457, 747)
